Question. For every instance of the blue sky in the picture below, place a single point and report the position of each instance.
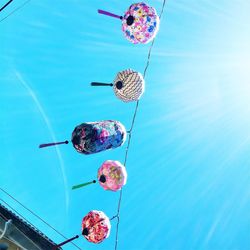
(188, 166)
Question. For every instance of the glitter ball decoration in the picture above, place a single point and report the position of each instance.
(112, 175)
(140, 23)
(129, 85)
(96, 226)
(94, 137)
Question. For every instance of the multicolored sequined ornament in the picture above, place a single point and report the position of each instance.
(112, 175)
(94, 137)
(140, 22)
(128, 85)
(96, 226)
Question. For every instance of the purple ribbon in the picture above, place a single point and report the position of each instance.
(109, 14)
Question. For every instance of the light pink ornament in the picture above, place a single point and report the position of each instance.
(112, 175)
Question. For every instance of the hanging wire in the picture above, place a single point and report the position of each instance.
(2, 8)
(131, 129)
(37, 216)
(15, 10)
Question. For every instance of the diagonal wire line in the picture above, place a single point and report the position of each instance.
(2, 8)
(131, 129)
(15, 10)
(37, 216)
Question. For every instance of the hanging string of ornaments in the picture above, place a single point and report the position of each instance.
(140, 24)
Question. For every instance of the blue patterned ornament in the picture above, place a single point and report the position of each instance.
(94, 137)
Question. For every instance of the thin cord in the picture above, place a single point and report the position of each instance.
(125, 162)
(152, 43)
(130, 133)
(131, 129)
(37, 216)
(162, 8)
(16, 9)
(148, 58)
(6, 5)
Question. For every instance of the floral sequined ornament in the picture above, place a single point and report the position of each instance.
(140, 22)
(96, 226)
(112, 175)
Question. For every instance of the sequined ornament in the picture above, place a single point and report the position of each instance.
(140, 22)
(112, 175)
(96, 226)
(128, 85)
(94, 137)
